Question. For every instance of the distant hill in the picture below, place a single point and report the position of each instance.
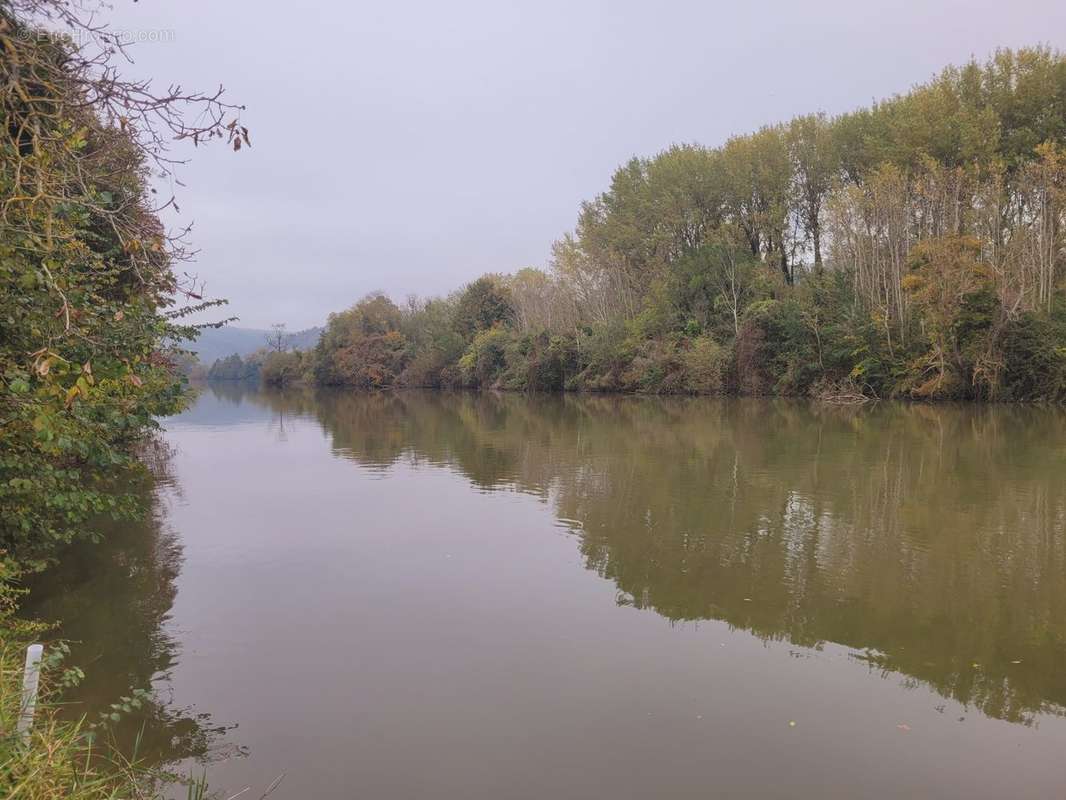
(217, 343)
(305, 339)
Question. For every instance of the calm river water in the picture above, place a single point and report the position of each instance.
(424, 595)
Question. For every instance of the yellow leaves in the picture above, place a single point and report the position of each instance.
(1050, 155)
(912, 283)
(81, 385)
(943, 270)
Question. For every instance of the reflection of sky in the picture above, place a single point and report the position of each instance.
(423, 594)
(405, 633)
(220, 405)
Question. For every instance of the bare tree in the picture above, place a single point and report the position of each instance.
(277, 338)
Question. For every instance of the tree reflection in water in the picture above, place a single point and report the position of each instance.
(117, 595)
(930, 539)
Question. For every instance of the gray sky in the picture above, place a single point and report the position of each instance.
(412, 146)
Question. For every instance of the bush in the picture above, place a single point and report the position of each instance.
(706, 364)
(604, 351)
(1034, 352)
(656, 368)
(540, 362)
(483, 362)
(777, 350)
(428, 368)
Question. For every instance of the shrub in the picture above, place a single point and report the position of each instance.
(777, 350)
(604, 351)
(656, 368)
(706, 364)
(427, 368)
(483, 362)
(1034, 354)
(540, 362)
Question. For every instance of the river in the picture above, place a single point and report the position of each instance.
(423, 594)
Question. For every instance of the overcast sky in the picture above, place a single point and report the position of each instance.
(412, 146)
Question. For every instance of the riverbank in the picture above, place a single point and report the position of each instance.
(841, 393)
(59, 760)
(66, 757)
(78, 750)
(812, 338)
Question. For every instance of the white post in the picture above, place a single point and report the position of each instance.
(30, 679)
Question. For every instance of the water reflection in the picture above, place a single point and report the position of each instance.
(113, 600)
(931, 539)
(371, 587)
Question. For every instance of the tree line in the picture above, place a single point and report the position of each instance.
(914, 248)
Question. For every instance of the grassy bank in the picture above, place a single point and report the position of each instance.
(62, 758)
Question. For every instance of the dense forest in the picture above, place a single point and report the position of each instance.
(914, 248)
